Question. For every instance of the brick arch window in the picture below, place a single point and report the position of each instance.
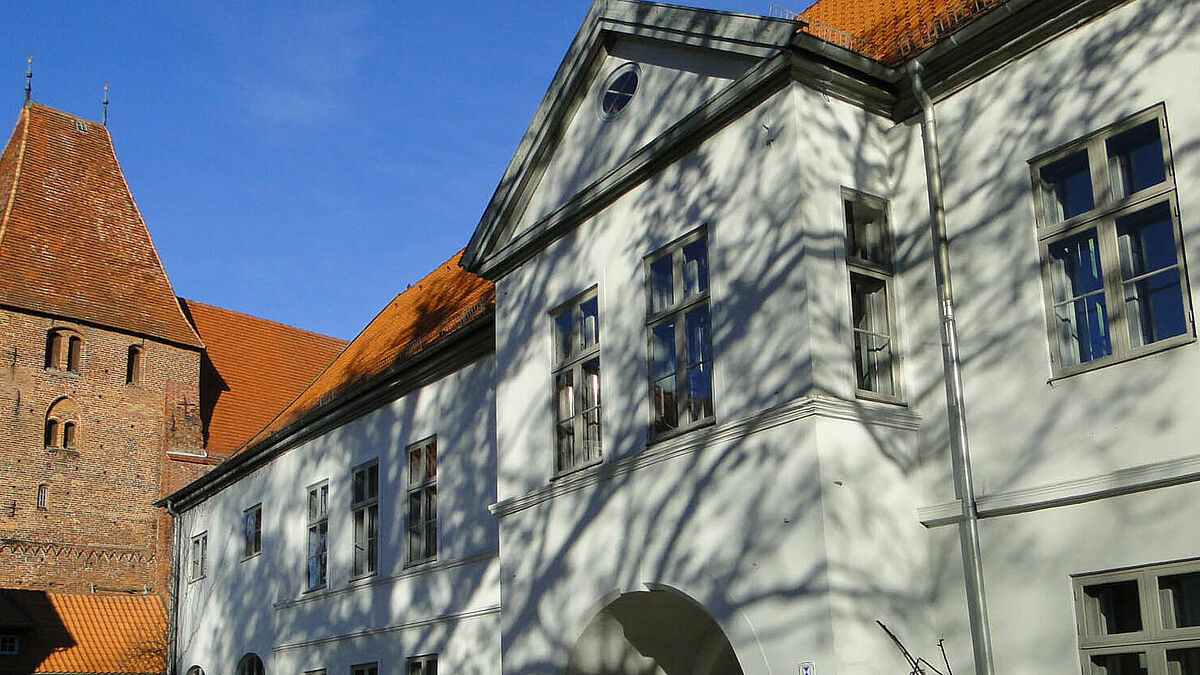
(133, 365)
(62, 425)
(64, 350)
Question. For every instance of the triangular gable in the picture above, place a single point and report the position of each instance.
(686, 56)
(72, 242)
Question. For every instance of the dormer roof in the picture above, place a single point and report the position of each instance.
(72, 242)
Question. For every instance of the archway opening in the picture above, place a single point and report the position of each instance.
(653, 633)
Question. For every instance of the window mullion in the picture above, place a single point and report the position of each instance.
(681, 366)
(1110, 269)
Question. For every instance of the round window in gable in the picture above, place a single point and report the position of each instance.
(619, 91)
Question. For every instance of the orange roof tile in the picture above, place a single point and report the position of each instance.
(445, 300)
(251, 370)
(72, 242)
(88, 634)
(889, 30)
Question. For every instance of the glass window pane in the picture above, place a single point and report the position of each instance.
(869, 303)
(373, 481)
(663, 337)
(416, 465)
(1135, 159)
(1183, 661)
(1112, 608)
(431, 461)
(1067, 188)
(866, 234)
(1180, 598)
(700, 398)
(564, 387)
(873, 363)
(662, 284)
(1075, 266)
(1147, 241)
(591, 435)
(360, 485)
(699, 337)
(695, 267)
(1119, 664)
(563, 345)
(565, 433)
(589, 327)
(591, 384)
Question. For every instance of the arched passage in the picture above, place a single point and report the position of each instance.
(654, 632)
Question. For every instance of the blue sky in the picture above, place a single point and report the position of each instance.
(301, 161)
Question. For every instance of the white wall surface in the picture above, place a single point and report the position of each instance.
(261, 605)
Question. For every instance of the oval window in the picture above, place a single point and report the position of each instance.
(619, 91)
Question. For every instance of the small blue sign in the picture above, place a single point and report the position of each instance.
(808, 668)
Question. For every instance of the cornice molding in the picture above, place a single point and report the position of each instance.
(863, 412)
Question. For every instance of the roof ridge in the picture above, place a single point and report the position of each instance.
(43, 106)
(261, 318)
(12, 193)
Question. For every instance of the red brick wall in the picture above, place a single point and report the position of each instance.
(99, 526)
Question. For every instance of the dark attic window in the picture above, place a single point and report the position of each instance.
(622, 85)
(9, 645)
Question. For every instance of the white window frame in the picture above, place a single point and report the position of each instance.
(882, 271)
(252, 538)
(318, 524)
(421, 515)
(573, 365)
(1107, 208)
(677, 311)
(198, 557)
(426, 664)
(1154, 639)
(366, 507)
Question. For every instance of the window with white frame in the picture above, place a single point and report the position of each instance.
(318, 535)
(421, 665)
(252, 531)
(1143, 621)
(872, 309)
(679, 330)
(364, 507)
(9, 645)
(422, 501)
(199, 557)
(1112, 254)
(577, 383)
(365, 669)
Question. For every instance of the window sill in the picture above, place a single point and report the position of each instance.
(362, 577)
(195, 579)
(868, 395)
(577, 469)
(682, 431)
(252, 556)
(1096, 364)
(314, 589)
(419, 563)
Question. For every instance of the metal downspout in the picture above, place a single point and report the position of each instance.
(968, 529)
(173, 583)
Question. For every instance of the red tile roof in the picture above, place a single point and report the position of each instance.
(889, 30)
(252, 369)
(444, 301)
(86, 633)
(72, 242)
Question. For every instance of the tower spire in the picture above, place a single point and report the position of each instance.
(104, 103)
(29, 79)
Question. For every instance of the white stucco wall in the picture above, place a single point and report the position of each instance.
(448, 607)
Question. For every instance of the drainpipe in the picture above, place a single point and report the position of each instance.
(968, 528)
(173, 584)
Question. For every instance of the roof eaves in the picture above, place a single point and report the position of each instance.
(23, 120)
(313, 421)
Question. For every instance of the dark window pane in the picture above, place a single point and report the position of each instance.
(663, 337)
(695, 267)
(1183, 661)
(1067, 188)
(51, 435)
(564, 388)
(1147, 241)
(1113, 608)
(1180, 598)
(626, 83)
(1135, 159)
(699, 337)
(1075, 265)
(360, 485)
(564, 345)
(700, 398)
(1119, 664)
(74, 353)
(662, 285)
(68, 440)
(416, 465)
